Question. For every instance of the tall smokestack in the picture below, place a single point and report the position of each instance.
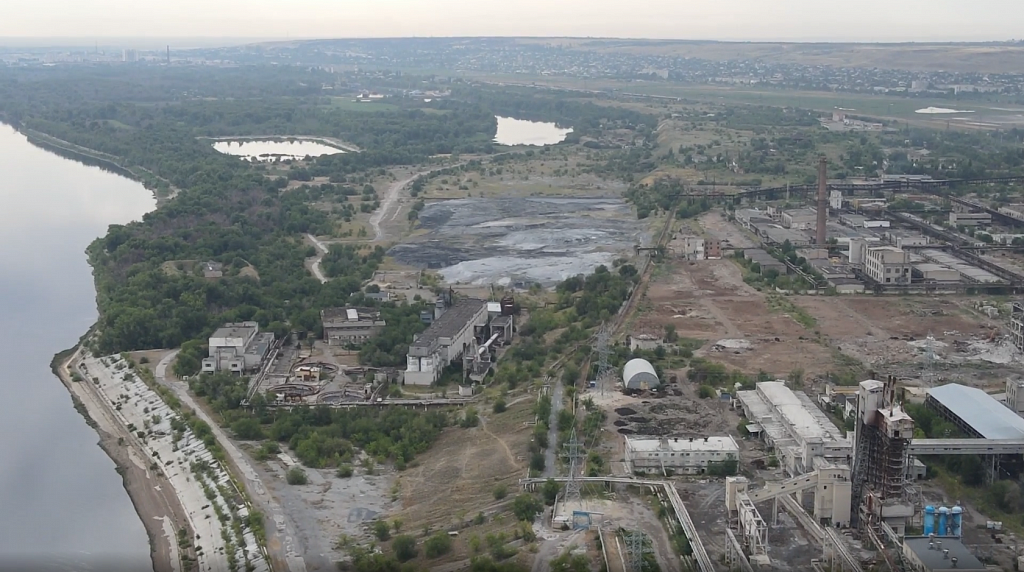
(822, 237)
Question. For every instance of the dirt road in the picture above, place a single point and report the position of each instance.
(322, 250)
(280, 538)
(389, 205)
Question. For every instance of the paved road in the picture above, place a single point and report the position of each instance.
(281, 540)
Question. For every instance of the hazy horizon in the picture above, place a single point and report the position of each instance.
(239, 21)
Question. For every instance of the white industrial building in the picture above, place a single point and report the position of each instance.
(639, 375)
(693, 247)
(447, 339)
(679, 455)
(887, 265)
(970, 219)
(803, 437)
(238, 348)
(800, 219)
(930, 272)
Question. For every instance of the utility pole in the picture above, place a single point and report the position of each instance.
(635, 549)
(603, 352)
(574, 456)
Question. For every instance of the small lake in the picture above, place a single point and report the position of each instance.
(274, 150)
(521, 132)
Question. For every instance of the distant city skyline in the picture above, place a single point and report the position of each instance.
(207, 22)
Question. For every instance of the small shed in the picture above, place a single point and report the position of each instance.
(639, 374)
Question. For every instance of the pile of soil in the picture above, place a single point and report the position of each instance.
(624, 411)
(626, 431)
(621, 423)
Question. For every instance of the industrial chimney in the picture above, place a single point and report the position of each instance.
(821, 237)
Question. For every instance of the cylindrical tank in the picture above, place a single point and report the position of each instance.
(943, 517)
(956, 518)
(929, 520)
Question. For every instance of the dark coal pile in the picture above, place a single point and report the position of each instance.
(626, 431)
(621, 423)
(638, 419)
(624, 411)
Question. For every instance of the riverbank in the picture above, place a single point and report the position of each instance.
(151, 493)
(162, 190)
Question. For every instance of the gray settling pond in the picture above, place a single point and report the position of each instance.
(521, 132)
(521, 240)
(275, 150)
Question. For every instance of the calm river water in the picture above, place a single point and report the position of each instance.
(63, 505)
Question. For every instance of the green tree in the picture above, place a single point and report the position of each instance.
(526, 507)
(382, 530)
(296, 476)
(404, 547)
(437, 545)
(550, 491)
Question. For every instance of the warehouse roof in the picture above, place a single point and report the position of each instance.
(991, 419)
(650, 444)
(936, 559)
(451, 322)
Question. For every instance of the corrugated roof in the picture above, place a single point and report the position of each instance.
(991, 419)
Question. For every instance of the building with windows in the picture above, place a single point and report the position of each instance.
(679, 455)
(693, 248)
(803, 436)
(970, 219)
(238, 348)
(887, 265)
(350, 325)
(930, 553)
(450, 335)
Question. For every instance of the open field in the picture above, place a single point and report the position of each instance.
(964, 57)
(708, 300)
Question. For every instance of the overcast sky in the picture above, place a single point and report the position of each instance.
(798, 20)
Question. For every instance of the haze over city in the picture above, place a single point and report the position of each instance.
(789, 20)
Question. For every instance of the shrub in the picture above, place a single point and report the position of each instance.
(438, 545)
(500, 492)
(344, 472)
(500, 406)
(404, 547)
(706, 392)
(296, 476)
(382, 530)
(526, 507)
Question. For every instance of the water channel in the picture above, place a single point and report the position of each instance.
(63, 503)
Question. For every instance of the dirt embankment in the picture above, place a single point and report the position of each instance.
(151, 493)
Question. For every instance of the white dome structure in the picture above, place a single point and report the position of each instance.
(639, 374)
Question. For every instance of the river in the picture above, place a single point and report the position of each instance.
(63, 504)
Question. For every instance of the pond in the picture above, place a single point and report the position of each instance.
(521, 132)
(275, 150)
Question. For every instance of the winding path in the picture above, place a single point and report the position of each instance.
(322, 250)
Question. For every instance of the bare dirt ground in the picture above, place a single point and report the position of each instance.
(447, 486)
(890, 336)
(708, 300)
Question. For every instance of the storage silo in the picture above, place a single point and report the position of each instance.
(955, 519)
(929, 520)
(639, 375)
(943, 516)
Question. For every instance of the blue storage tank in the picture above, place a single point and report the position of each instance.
(929, 520)
(943, 517)
(956, 518)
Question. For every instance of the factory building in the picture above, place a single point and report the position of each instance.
(639, 375)
(1015, 395)
(238, 348)
(970, 219)
(887, 265)
(800, 219)
(447, 339)
(712, 249)
(690, 456)
(350, 325)
(803, 437)
(975, 412)
(693, 247)
(928, 553)
(1017, 325)
(929, 272)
